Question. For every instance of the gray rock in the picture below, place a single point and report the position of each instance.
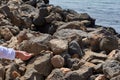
(116, 78)
(36, 44)
(74, 48)
(73, 25)
(111, 68)
(40, 64)
(56, 74)
(2, 72)
(65, 34)
(58, 46)
(81, 74)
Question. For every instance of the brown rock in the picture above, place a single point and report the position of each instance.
(6, 33)
(57, 61)
(101, 77)
(65, 70)
(58, 46)
(2, 72)
(36, 44)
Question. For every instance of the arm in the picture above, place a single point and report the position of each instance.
(9, 53)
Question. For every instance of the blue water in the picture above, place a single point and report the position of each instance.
(106, 12)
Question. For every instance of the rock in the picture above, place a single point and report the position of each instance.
(68, 34)
(6, 34)
(39, 20)
(58, 46)
(10, 71)
(101, 77)
(65, 70)
(53, 17)
(98, 68)
(115, 78)
(56, 74)
(85, 16)
(111, 68)
(22, 36)
(2, 72)
(73, 25)
(40, 65)
(72, 63)
(108, 44)
(57, 61)
(36, 44)
(94, 57)
(74, 48)
(81, 74)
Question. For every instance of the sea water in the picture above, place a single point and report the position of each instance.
(106, 12)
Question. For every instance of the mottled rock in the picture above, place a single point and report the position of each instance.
(53, 17)
(111, 68)
(73, 25)
(40, 64)
(74, 48)
(36, 44)
(58, 46)
(6, 34)
(56, 74)
(66, 34)
(81, 74)
(115, 78)
(57, 61)
(101, 77)
(2, 72)
(108, 43)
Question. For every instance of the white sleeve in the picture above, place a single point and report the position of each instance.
(7, 53)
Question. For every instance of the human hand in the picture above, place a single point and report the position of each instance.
(23, 55)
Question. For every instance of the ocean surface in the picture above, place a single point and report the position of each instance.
(106, 12)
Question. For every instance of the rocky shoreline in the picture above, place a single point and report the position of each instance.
(66, 45)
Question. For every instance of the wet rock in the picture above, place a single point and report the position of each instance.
(36, 44)
(2, 72)
(40, 64)
(58, 46)
(73, 25)
(108, 44)
(57, 61)
(111, 68)
(81, 74)
(56, 74)
(74, 48)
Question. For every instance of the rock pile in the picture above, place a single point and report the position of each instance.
(66, 45)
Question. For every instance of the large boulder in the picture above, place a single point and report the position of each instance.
(58, 46)
(35, 44)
